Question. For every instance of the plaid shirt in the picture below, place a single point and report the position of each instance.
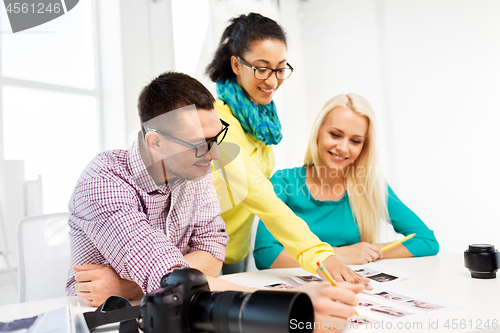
(121, 218)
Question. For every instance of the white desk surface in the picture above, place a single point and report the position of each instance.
(29, 309)
(443, 276)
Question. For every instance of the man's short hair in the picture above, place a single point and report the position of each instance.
(171, 91)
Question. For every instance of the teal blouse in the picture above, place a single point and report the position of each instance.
(333, 221)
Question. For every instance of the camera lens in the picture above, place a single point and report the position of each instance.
(482, 260)
(258, 312)
(185, 304)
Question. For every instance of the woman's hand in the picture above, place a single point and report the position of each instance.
(340, 272)
(95, 283)
(332, 305)
(358, 254)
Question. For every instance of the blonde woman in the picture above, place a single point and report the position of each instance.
(341, 193)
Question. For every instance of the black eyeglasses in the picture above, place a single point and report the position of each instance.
(200, 149)
(263, 73)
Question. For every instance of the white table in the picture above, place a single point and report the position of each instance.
(29, 309)
(443, 276)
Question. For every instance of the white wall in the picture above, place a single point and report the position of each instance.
(431, 71)
(142, 32)
(429, 68)
(444, 87)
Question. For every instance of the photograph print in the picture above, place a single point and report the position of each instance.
(390, 312)
(426, 306)
(391, 296)
(383, 277)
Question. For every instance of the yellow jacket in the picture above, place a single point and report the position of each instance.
(241, 178)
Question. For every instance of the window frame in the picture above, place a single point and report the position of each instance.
(42, 86)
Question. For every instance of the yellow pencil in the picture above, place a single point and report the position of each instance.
(329, 278)
(397, 242)
(327, 274)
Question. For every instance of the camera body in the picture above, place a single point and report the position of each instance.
(168, 309)
(184, 304)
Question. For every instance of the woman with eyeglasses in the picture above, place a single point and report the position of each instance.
(341, 193)
(248, 67)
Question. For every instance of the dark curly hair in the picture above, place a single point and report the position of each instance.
(236, 40)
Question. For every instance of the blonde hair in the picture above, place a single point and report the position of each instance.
(369, 205)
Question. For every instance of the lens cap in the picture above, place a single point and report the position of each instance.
(482, 260)
(481, 248)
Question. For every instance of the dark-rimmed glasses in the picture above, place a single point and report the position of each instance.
(200, 149)
(263, 73)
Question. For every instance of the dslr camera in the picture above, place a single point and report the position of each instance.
(184, 304)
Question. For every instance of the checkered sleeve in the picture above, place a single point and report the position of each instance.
(209, 234)
(109, 214)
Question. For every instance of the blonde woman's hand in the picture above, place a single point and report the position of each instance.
(358, 254)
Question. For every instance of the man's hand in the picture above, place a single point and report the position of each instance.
(332, 305)
(95, 283)
(340, 272)
(358, 254)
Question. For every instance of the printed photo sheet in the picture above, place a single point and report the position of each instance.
(395, 304)
(379, 273)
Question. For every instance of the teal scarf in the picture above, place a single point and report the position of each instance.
(259, 120)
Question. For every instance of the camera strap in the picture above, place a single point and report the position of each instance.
(114, 310)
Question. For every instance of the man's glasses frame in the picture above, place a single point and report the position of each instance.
(208, 142)
(266, 69)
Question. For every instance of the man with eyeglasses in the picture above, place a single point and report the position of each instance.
(144, 211)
